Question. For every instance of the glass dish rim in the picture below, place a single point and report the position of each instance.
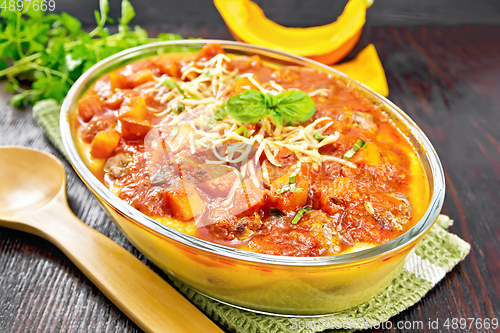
(419, 229)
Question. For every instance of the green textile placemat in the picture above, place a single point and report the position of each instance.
(436, 255)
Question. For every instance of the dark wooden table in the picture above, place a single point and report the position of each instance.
(446, 78)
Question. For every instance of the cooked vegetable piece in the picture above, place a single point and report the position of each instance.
(247, 199)
(104, 143)
(184, 204)
(210, 50)
(118, 81)
(289, 200)
(133, 129)
(136, 108)
(168, 66)
(369, 155)
(142, 77)
(88, 106)
(242, 84)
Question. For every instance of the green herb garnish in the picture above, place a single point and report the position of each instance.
(173, 133)
(319, 136)
(242, 130)
(178, 108)
(170, 83)
(200, 143)
(301, 213)
(357, 146)
(51, 51)
(251, 106)
(219, 114)
(293, 176)
(289, 187)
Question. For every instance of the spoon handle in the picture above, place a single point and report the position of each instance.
(141, 294)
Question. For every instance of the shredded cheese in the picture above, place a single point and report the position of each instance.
(205, 86)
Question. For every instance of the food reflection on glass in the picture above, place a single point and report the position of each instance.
(274, 159)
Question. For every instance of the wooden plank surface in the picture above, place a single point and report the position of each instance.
(446, 78)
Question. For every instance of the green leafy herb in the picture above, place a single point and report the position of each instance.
(250, 106)
(288, 187)
(357, 146)
(293, 176)
(178, 108)
(170, 83)
(206, 72)
(173, 133)
(242, 130)
(200, 143)
(42, 55)
(219, 114)
(319, 136)
(301, 213)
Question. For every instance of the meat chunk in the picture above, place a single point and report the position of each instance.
(118, 165)
(341, 194)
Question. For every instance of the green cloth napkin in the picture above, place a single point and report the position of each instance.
(436, 255)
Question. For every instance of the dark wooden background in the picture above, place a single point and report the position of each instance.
(442, 60)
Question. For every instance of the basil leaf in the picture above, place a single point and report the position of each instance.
(295, 105)
(248, 106)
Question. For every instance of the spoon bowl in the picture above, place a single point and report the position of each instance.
(33, 199)
(30, 179)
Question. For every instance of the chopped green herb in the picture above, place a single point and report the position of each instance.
(173, 133)
(301, 213)
(170, 83)
(206, 72)
(200, 143)
(219, 114)
(319, 136)
(251, 106)
(178, 108)
(242, 130)
(357, 146)
(289, 187)
(293, 176)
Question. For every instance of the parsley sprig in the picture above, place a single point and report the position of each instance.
(250, 106)
(43, 54)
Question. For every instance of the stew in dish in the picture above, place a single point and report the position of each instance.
(265, 157)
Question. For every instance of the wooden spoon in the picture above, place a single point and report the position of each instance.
(33, 199)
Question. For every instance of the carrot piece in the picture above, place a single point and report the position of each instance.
(167, 65)
(242, 84)
(289, 201)
(136, 108)
(104, 143)
(247, 199)
(134, 129)
(118, 81)
(210, 50)
(184, 204)
(142, 77)
(88, 106)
